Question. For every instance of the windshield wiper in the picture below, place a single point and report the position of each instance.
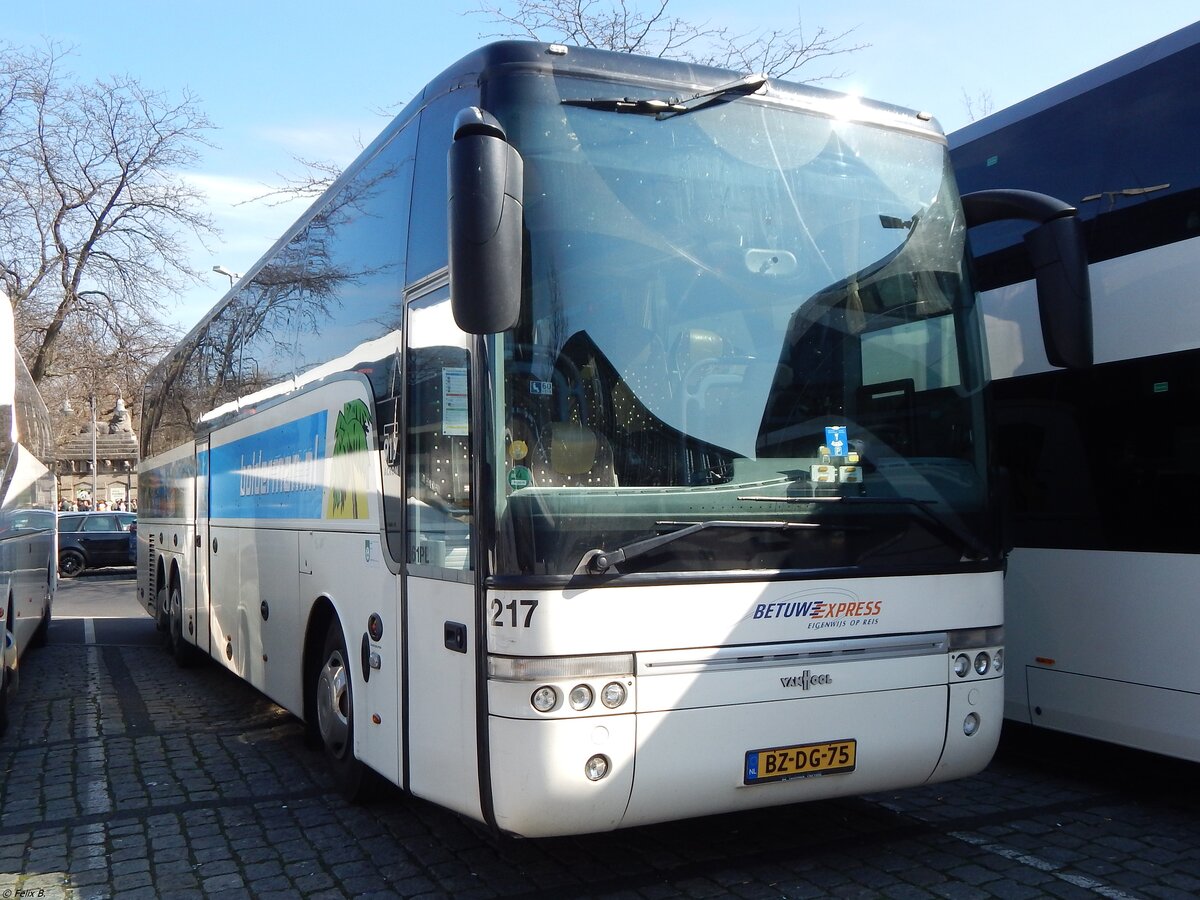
(597, 562)
(665, 109)
(943, 524)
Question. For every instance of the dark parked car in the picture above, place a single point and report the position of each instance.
(92, 540)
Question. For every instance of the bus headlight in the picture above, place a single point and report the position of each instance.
(580, 697)
(962, 665)
(983, 662)
(613, 695)
(596, 767)
(998, 662)
(544, 699)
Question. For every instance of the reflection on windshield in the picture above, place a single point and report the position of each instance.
(711, 294)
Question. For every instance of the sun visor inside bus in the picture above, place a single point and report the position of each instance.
(485, 216)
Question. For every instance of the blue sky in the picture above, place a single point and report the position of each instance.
(314, 79)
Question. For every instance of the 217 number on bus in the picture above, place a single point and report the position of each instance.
(513, 619)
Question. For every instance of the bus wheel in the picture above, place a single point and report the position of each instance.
(3, 691)
(7, 639)
(184, 653)
(335, 713)
(42, 635)
(162, 616)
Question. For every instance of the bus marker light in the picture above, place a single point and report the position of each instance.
(971, 724)
(1043, 660)
(375, 719)
(581, 697)
(596, 767)
(544, 699)
(613, 695)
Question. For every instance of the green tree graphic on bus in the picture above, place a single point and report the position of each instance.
(348, 486)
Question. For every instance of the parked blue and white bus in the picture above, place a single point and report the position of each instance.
(608, 445)
(28, 530)
(1101, 595)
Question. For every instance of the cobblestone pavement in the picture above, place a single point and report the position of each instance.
(122, 776)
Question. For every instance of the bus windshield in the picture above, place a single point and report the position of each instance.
(748, 315)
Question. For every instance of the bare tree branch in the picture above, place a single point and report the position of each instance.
(93, 213)
(625, 26)
(319, 175)
(979, 106)
(621, 25)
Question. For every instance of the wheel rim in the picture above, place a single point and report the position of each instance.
(333, 704)
(70, 565)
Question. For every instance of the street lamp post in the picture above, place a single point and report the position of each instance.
(95, 466)
(68, 409)
(232, 276)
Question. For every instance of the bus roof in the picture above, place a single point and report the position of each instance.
(629, 67)
(490, 60)
(1110, 71)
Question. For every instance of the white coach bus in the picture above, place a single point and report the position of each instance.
(608, 445)
(1102, 592)
(28, 527)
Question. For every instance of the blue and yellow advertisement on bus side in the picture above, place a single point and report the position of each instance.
(295, 470)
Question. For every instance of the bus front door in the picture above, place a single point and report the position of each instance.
(196, 625)
(439, 581)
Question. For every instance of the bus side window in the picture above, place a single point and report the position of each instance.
(438, 477)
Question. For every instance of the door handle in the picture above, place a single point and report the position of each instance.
(455, 636)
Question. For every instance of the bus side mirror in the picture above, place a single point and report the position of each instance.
(1056, 250)
(1060, 266)
(486, 224)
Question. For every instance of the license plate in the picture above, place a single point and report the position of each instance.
(800, 761)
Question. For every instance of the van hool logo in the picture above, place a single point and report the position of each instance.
(806, 680)
(823, 608)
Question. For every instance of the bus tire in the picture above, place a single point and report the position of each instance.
(162, 617)
(183, 652)
(3, 697)
(6, 637)
(42, 636)
(335, 713)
